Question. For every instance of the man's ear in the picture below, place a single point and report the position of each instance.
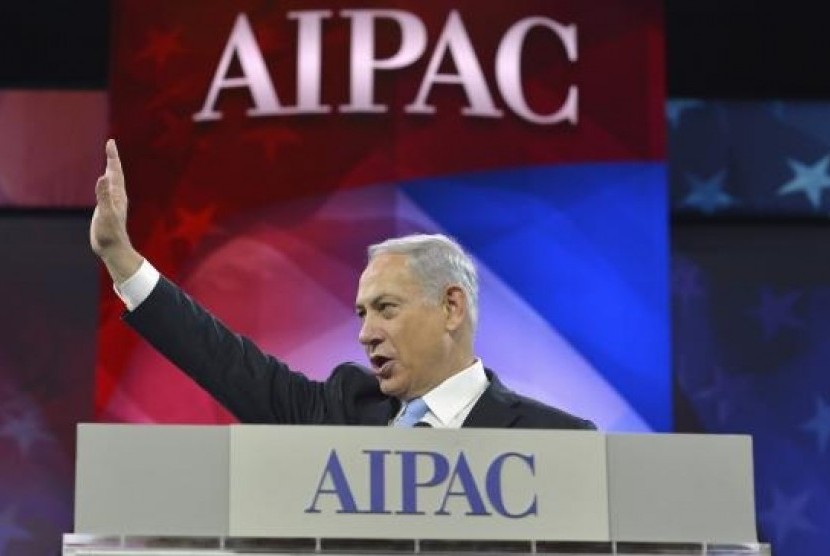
(455, 307)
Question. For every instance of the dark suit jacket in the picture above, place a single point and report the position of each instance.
(258, 388)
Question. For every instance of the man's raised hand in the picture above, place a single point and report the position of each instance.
(108, 230)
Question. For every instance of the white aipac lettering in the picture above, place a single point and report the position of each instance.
(309, 61)
(255, 78)
(363, 60)
(509, 70)
(454, 42)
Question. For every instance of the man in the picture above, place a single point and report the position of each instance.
(416, 300)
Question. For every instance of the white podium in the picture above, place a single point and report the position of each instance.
(255, 489)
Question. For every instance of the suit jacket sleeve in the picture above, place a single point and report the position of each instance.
(254, 386)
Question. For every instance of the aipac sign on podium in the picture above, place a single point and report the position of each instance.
(481, 490)
(402, 483)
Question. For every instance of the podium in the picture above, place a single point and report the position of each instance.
(262, 489)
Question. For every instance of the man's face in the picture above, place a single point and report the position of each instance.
(404, 332)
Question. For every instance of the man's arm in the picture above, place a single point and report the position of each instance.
(252, 385)
(108, 230)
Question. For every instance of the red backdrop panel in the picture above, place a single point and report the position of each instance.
(195, 185)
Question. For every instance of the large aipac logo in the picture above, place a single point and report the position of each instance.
(480, 489)
(454, 44)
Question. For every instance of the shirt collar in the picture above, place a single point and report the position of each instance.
(452, 396)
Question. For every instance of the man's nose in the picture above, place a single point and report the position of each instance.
(369, 334)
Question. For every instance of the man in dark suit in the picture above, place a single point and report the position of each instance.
(417, 301)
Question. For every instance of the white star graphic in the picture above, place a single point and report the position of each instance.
(707, 195)
(26, 429)
(810, 180)
(675, 109)
(786, 516)
(820, 424)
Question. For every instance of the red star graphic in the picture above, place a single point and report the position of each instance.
(271, 139)
(177, 132)
(204, 143)
(158, 247)
(183, 90)
(160, 46)
(192, 226)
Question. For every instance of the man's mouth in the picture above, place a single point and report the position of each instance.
(382, 365)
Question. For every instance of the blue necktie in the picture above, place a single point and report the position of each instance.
(412, 413)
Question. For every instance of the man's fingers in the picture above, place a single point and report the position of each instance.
(102, 190)
(113, 161)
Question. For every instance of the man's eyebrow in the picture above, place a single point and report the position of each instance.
(361, 306)
(385, 297)
(374, 301)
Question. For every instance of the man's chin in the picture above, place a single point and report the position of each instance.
(389, 387)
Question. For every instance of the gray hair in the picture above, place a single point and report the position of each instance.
(439, 262)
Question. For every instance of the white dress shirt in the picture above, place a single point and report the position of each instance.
(451, 401)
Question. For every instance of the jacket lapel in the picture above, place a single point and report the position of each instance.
(495, 408)
(379, 412)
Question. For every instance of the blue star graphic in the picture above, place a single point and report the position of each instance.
(9, 531)
(786, 515)
(820, 424)
(810, 180)
(778, 109)
(25, 429)
(675, 109)
(687, 377)
(707, 195)
(686, 285)
(776, 312)
(722, 392)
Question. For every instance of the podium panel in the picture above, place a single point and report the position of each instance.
(158, 480)
(259, 489)
(681, 487)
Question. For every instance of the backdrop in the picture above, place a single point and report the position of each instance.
(267, 144)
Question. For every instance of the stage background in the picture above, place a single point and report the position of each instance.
(266, 219)
(747, 272)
